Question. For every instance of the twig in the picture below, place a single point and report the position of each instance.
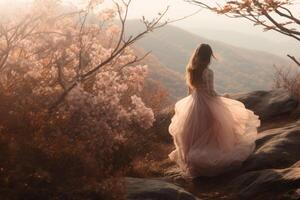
(294, 59)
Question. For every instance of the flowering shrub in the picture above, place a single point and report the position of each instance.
(71, 98)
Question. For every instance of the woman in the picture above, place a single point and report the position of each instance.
(212, 134)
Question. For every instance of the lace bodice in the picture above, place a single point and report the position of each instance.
(207, 84)
(208, 81)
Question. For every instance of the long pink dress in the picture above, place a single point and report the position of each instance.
(212, 134)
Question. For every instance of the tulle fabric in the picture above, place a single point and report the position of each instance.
(211, 134)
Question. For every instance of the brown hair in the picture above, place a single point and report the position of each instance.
(199, 61)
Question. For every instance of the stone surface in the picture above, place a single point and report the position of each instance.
(276, 149)
(268, 104)
(150, 189)
(256, 183)
(274, 165)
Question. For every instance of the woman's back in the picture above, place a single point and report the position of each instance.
(206, 83)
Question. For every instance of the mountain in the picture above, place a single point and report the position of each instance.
(280, 47)
(236, 69)
(171, 80)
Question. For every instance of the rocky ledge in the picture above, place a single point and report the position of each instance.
(272, 172)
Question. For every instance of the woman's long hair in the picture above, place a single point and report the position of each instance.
(199, 61)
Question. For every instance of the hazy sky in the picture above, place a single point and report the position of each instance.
(205, 19)
(212, 26)
(180, 8)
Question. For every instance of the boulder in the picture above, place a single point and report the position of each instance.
(275, 164)
(151, 189)
(276, 148)
(268, 104)
(257, 183)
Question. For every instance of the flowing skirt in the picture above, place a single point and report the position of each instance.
(212, 135)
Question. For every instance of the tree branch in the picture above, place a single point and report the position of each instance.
(253, 9)
(294, 59)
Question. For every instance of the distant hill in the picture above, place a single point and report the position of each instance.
(250, 41)
(236, 69)
(173, 81)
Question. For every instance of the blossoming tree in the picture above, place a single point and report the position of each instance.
(73, 79)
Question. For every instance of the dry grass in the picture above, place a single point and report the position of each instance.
(154, 163)
(289, 79)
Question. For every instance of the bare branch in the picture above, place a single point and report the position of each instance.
(184, 17)
(281, 27)
(252, 10)
(123, 21)
(290, 16)
(294, 59)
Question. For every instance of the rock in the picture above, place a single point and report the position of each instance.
(275, 148)
(174, 173)
(268, 104)
(257, 183)
(150, 189)
(275, 163)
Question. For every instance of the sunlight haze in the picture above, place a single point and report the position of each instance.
(204, 23)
